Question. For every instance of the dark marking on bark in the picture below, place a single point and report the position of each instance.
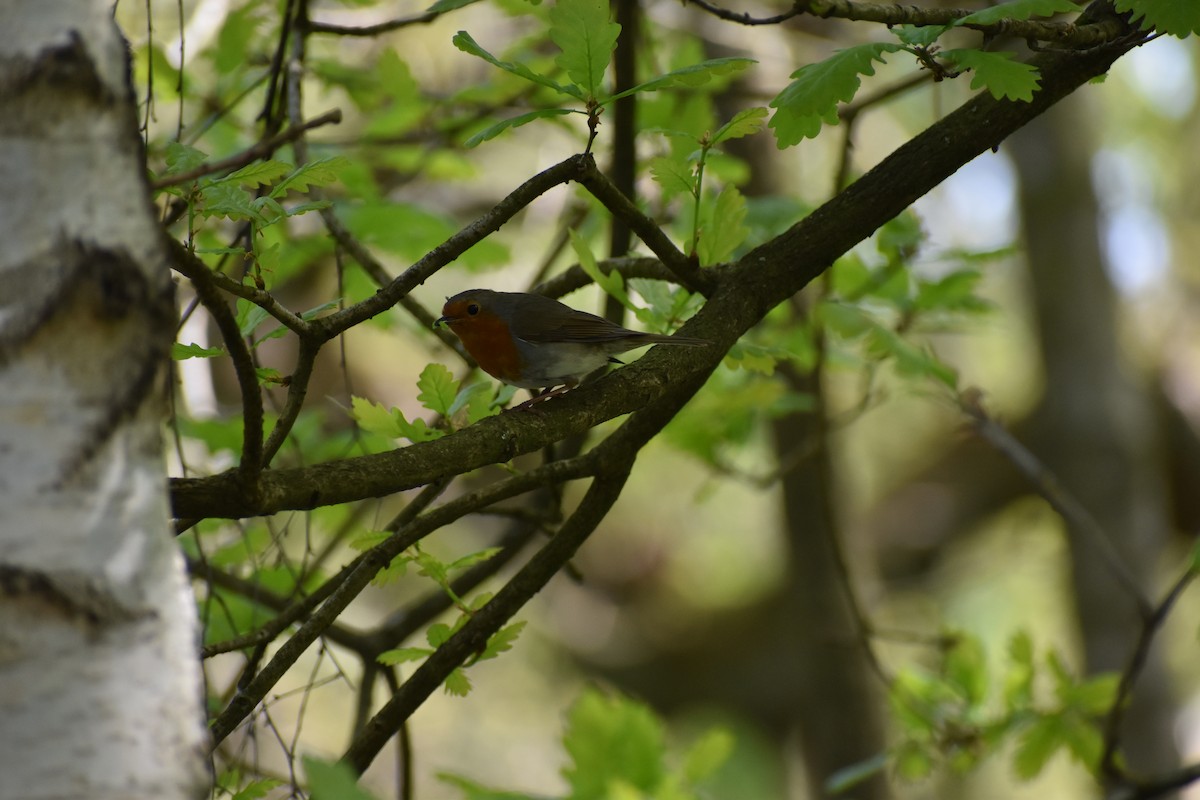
(63, 67)
(100, 291)
(83, 602)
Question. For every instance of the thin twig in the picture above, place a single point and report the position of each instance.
(373, 30)
(188, 264)
(1046, 484)
(243, 367)
(686, 271)
(1151, 624)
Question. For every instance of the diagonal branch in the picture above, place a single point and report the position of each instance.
(1068, 34)
(473, 636)
(1046, 484)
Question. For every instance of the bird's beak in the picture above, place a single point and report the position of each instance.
(440, 321)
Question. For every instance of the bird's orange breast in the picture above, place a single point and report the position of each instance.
(488, 340)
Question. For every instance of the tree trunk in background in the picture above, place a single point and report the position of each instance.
(837, 702)
(1096, 427)
(99, 678)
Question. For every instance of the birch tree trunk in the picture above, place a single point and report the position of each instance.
(99, 680)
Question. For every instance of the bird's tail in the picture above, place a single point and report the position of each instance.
(662, 338)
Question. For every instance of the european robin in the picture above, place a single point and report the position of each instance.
(536, 343)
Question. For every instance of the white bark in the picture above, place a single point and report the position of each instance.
(99, 680)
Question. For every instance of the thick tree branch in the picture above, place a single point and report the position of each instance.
(1067, 34)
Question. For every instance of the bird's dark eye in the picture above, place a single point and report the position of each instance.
(473, 309)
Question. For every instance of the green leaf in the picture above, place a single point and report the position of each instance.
(181, 157)
(913, 761)
(919, 36)
(1094, 696)
(470, 560)
(260, 173)
(502, 641)
(1063, 679)
(911, 360)
(467, 396)
(457, 683)
(182, 352)
(845, 320)
(1084, 740)
(321, 172)
(438, 388)
(256, 790)
(492, 131)
(753, 357)
(416, 431)
(812, 97)
(1194, 561)
(673, 175)
(744, 123)
(1000, 73)
(954, 292)
(611, 738)
(437, 634)
(612, 283)
(966, 668)
(332, 780)
(268, 375)
(1176, 17)
(1018, 9)
(463, 41)
(707, 755)
(249, 317)
(694, 75)
(231, 201)
(374, 418)
(1037, 744)
(1018, 680)
(433, 567)
(403, 655)
(585, 34)
(442, 6)
(365, 541)
(723, 229)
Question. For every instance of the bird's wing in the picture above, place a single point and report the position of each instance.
(550, 321)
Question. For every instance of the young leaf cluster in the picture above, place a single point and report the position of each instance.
(811, 100)
(454, 402)
(957, 714)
